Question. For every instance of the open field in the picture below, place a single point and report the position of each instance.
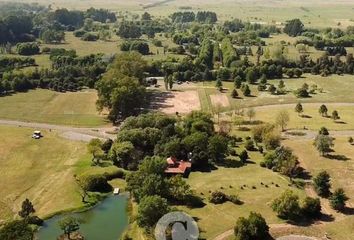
(41, 170)
(323, 13)
(215, 219)
(45, 106)
(311, 119)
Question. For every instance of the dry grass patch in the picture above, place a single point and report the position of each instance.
(220, 100)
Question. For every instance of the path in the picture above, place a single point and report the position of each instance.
(72, 133)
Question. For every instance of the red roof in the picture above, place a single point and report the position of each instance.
(181, 166)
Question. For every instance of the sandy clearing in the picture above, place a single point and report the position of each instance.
(219, 99)
(181, 102)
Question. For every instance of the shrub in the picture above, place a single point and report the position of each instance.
(96, 183)
(89, 37)
(28, 49)
(218, 197)
(79, 33)
(119, 173)
(234, 199)
(244, 156)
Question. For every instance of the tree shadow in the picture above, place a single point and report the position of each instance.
(348, 211)
(306, 116)
(340, 122)
(338, 157)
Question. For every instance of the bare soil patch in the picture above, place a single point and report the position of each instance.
(176, 101)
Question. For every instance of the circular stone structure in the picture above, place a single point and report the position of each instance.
(296, 237)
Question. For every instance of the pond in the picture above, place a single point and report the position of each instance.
(107, 221)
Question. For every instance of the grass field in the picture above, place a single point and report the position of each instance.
(320, 13)
(342, 174)
(44, 106)
(41, 170)
(311, 119)
(215, 219)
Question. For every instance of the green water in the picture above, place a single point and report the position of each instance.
(107, 221)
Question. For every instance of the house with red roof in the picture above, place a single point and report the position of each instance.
(176, 167)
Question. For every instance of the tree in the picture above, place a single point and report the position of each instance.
(322, 184)
(218, 84)
(120, 90)
(237, 82)
(69, 225)
(272, 89)
(17, 229)
(251, 113)
(311, 207)
(338, 199)
(253, 227)
(323, 144)
(299, 109)
(323, 110)
(94, 147)
(335, 115)
(282, 119)
(287, 205)
(234, 93)
(27, 209)
(350, 140)
(294, 27)
(244, 156)
(150, 210)
(217, 147)
(246, 90)
(129, 30)
(323, 131)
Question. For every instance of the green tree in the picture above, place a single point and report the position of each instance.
(282, 119)
(244, 156)
(299, 109)
(219, 84)
(323, 131)
(69, 225)
(322, 184)
(323, 144)
(246, 90)
(253, 227)
(335, 115)
(338, 199)
(234, 93)
(323, 110)
(121, 90)
(287, 205)
(129, 30)
(150, 210)
(16, 230)
(294, 27)
(311, 207)
(94, 147)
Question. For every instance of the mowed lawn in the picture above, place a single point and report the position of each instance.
(216, 219)
(41, 170)
(44, 106)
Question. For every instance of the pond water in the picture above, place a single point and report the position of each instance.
(107, 221)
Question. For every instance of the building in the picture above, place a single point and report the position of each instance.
(178, 167)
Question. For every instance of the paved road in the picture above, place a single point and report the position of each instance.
(72, 133)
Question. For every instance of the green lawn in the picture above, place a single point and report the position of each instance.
(311, 119)
(216, 219)
(336, 89)
(71, 108)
